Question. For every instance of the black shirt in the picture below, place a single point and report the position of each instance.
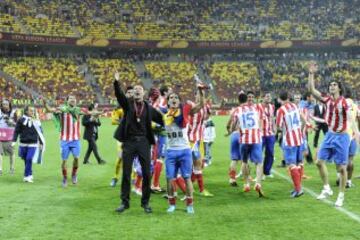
(138, 128)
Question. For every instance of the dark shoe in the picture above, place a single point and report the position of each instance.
(122, 208)
(233, 184)
(282, 165)
(147, 208)
(102, 162)
(337, 182)
(86, 162)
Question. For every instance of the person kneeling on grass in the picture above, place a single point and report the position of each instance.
(31, 140)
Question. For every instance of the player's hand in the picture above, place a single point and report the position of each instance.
(313, 67)
(117, 76)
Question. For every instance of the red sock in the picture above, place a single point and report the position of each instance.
(138, 181)
(295, 175)
(189, 201)
(301, 170)
(181, 183)
(173, 185)
(64, 172)
(193, 177)
(200, 181)
(157, 173)
(172, 200)
(301, 173)
(74, 171)
(232, 174)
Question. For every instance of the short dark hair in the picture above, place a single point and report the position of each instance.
(129, 88)
(307, 94)
(284, 96)
(242, 98)
(250, 92)
(91, 106)
(163, 90)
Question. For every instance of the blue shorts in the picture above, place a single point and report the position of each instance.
(252, 151)
(235, 146)
(67, 147)
(161, 146)
(353, 148)
(293, 155)
(304, 146)
(335, 146)
(178, 160)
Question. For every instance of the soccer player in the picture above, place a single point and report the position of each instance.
(157, 98)
(268, 133)
(29, 131)
(233, 131)
(209, 138)
(68, 116)
(8, 120)
(116, 118)
(353, 145)
(288, 119)
(321, 125)
(249, 117)
(178, 151)
(306, 126)
(197, 114)
(335, 145)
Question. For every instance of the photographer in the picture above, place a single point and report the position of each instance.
(7, 126)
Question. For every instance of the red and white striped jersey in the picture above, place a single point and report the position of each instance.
(196, 124)
(337, 113)
(307, 116)
(70, 127)
(288, 119)
(268, 123)
(249, 117)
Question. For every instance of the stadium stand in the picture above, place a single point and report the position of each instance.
(179, 75)
(52, 77)
(189, 20)
(104, 69)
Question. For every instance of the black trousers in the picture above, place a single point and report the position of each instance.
(136, 146)
(92, 147)
(309, 158)
(320, 127)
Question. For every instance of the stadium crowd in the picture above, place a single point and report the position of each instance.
(186, 20)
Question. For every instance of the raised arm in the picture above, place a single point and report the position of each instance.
(119, 94)
(199, 105)
(156, 116)
(50, 109)
(311, 85)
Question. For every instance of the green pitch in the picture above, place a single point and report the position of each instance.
(45, 210)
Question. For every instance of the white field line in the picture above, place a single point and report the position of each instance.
(343, 210)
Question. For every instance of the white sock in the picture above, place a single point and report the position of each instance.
(341, 195)
(327, 187)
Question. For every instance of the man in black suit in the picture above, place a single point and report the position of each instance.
(91, 124)
(136, 134)
(319, 112)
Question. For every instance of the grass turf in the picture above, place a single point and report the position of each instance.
(45, 210)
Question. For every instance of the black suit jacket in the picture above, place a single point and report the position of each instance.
(121, 133)
(90, 127)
